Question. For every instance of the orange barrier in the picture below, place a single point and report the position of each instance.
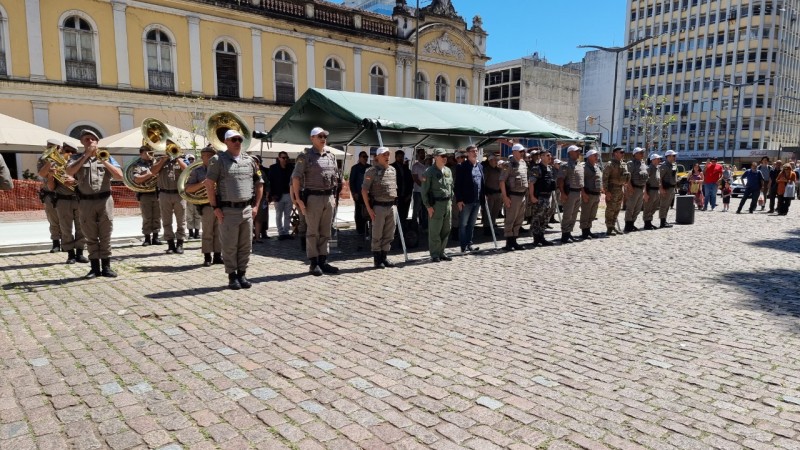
(25, 197)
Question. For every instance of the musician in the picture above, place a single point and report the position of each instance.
(210, 243)
(316, 167)
(67, 207)
(47, 196)
(148, 201)
(234, 185)
(6, 183)
(170, 202)
(96, 206)
(193, 218)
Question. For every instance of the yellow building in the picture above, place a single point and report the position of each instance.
(109, 64)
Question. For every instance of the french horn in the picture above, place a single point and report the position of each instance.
(223, 121)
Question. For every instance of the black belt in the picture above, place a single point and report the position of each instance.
(668, 186)
(234, 204)
(638, 186)
(441, 199)
(518, 194)
(168, 191)
(325, 192)
(66, 197)
(591, 192)
(147, 193)
(382, 203)
(575, 190)
(492, 191)
(98, 196)
(651, 188)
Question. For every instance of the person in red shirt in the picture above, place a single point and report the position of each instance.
(711, 177)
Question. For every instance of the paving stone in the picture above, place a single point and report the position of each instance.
(311, 407)
(546, 382)
(110, 388)
(489, 402)
(226, 351)
(659, 363)
(140, 388)
(12, 430)
(399, 363)
(264, 393)
(324, 365)
(236, 393)
(39, 362)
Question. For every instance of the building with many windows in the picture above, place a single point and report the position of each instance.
(377, 6)
(727, 70)
(109, 64)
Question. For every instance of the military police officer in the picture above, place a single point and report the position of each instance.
(437, 194)
(668, 172)
(570, 183)
(593, 187)
(211, 241)
(540, 192)
(233, 183)
(513, 188)
(651, 194)
(635, 192)
(69, 218)
(47, 195)
(615, 180)
(379, 194)
(148, 201)
(170, 202)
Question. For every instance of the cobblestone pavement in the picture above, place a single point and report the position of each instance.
(682, 338)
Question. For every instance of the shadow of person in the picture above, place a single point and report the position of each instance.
(32, 286)
(783, 298)
(168, 269)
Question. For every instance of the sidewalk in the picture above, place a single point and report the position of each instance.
(33, 235)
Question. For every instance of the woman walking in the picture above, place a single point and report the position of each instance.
(696, 185)
(787, 178)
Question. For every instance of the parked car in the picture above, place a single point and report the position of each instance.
(737, 188)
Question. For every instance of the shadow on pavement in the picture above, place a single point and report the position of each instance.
(168, 269)
(783, 298)
(32, 286)
(788, 244)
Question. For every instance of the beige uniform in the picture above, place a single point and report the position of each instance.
(69, 218)
(515, 177)
(382, 187)
(653, 186)
(668, 174)
(592, 186)
(49, 207)
(148, 202)
(96, 205)
(319, 180)
(170, 202)
(573, 175)
(210, 241)
(633, 205)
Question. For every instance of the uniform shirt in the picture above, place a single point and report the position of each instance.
(638, 173)
(572, 174)
(615, 175)
(380, 183)
(668, 175)
(235, 177)
(515, 175)
(491, 177)
(439, 183)
(418, 169)
(592, 177)
(59, 188)
(198, 174)
(46, 183)
(468, 182)
(357, 177)
(5, 176)
(317, 171)
(168, 175)
(653, 177)
(543, 178)
(92, 177)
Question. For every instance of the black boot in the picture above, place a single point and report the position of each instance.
(553, 219)
(207, 259)
(566, 238)
(156, 241)
(629, 227)
(146, 241)
(79, 256)
(106, 271)
(515, 245)
(611, 232)
(544, 242)
(243, 282)
(664, 224)
(314, 268)
(377, 260)
(586, 233)
(179, 247)
(633, 226)
(95, 271)
(302, 239)
(233, 282)
(218, 258)
(327, 268)
(71, 257)
(648, 225)
(56, 246)
(385, 260)
(509, 245)
(170, 245)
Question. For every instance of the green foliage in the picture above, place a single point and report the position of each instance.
(648, 119)
(28, 175)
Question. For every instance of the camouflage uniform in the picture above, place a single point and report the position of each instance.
(633, 206)
(381, 186)
(653, 186)
(668, 173)
(593, 184)
(573, 186)
(615, 177)
(543, 180)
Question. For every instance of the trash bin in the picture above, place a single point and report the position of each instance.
(684, 209)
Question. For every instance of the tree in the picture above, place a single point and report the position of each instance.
(648, 120)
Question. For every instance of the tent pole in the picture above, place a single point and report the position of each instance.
(398, 223)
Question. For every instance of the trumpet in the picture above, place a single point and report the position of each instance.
(103, 154)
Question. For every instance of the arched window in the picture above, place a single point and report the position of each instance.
(284, 77)
(76, 131)
(79, 58)
(422, 86)
(461, 91)
(441, 88)
(3, 67)
(334, 75)
(159, 61)
(377, 81)
(227, 70)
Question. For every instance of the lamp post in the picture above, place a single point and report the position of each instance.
(738, 115)
(616, 51)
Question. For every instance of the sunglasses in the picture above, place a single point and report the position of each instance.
(236, 139)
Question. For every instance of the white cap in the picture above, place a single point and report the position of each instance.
(638, 150)
(655, 156)
(573, 148)
(670, 153)
(231, 134)
(317, 130)
(518, 148)
(557, 161)
(590, 153)
(380, 151)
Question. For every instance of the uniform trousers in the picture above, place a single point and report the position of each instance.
(419, 214)
(319, 219)
(571, 209)
(68, 217)
(383, 228)
(193, 219)
(210, 240)
(589, 211)
(236, 237)
(439, 228)
(283, 215)
(542, 210)
(614, 198)
(52, 218)
(97, 223)
(151, 213)
(634, 204)
(173, 204)
(665, 202)
(495, 206)
(515, 215)
(651, 205)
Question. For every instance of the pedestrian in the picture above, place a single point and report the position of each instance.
(765, 170)
(405, 184)
(261, 220)
(453, 160)
(468, 192)
(379, 194)
(419, 214)
(167, 171)
(316, 169)
(696, 185)
(570, 183)
(774, 171)
(437, 194)
(355, 181)
(668, 172)
(6, 182)
(96, 205)
(593, 188)
(491, 194)
(211, 240)
(711, 177)
(652, 192)
(513, 188)
(787, 182)
(148, 201)
(753, 182)
(635, 192)
(47, 195)
(615, 180)
(541, 185)
(67, 205)
(280, 177)
(234, 186)
(726, 195)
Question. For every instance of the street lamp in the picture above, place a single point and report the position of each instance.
(616, 51)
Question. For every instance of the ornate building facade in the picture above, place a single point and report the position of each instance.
(109, 64)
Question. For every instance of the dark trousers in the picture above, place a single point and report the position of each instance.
(752, 194)
(403, 205)
(360, 215)
(783, 205)
(773, 192)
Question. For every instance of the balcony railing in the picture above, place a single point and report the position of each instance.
(84, 72)
(284, 94)
(228, 88)
(161, 81)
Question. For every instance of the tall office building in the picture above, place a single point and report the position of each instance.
(704, 57)
(377, 6)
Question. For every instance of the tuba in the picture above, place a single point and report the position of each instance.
(221, 122)
(157, 136)
(199, 197)
(52, 155)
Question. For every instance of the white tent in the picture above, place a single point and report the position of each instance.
(270, 151)
(23, 137)
(128, 142)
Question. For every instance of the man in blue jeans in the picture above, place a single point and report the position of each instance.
(753, 180)
(711, 175)
(469, 182)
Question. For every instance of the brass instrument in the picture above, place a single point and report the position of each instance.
(199, 197)
(59, 164)
(103, 154)
(221, 122)
(157, 136)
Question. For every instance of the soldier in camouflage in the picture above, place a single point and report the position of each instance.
(651, 195)
(379, 194)
(593, 187)
(668, 172)
(615, 179)
(541, 185)
(570, 183)
(635, 192)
